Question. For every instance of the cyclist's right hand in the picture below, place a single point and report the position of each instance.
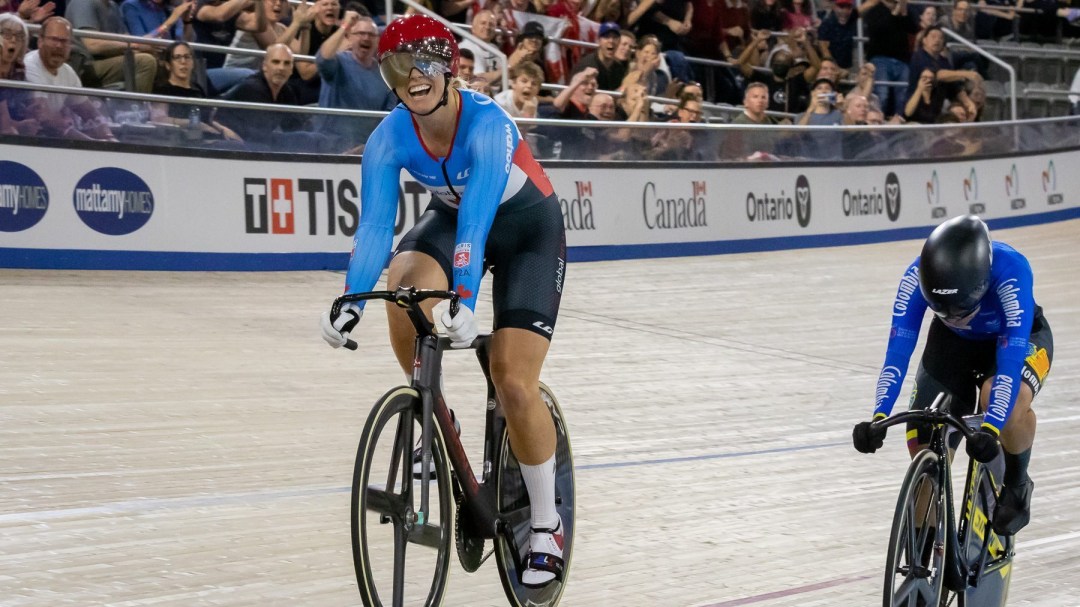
(335, 331)
(866, 438)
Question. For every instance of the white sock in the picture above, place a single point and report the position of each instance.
(540, 482)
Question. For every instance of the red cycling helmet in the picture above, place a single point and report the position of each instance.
(420, 42)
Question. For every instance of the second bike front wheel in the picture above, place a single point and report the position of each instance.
(915, 565)
(401, 555)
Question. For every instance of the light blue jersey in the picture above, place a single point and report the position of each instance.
(488, 165)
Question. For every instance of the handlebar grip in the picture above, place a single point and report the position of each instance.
(350, 344)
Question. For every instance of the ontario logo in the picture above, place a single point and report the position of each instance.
(971, 193)
(1012, 189)
(1049, 185)
(857, 203)
(113, 201)
(933, 196)
(782, 207)
(24, 199)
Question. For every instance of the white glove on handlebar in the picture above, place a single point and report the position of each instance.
(335, 331)
(461, 329)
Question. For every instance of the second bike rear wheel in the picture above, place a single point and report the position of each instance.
(513, 507)
(400, 558)
(915, 565)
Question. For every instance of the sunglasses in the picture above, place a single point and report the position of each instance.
(396, 68)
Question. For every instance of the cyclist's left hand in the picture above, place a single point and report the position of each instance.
(460, 328)
(982, 446)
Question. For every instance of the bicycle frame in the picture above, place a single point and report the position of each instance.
(960, 574)
(478, 496)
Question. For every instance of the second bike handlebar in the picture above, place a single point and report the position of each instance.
(406, 297)
(936, 413)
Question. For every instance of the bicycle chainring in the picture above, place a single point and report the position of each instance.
(470, 549)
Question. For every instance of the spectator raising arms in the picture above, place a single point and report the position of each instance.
(823, 104)
(610, 71)
(937, 81)
(148, 18)
(351, 79)
(647, 68)
(670, 21)
(573, 101)
(30, 11)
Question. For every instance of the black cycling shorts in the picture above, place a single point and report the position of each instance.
(525, 253)
(960, 366)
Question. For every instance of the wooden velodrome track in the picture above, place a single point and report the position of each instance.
(187, 439)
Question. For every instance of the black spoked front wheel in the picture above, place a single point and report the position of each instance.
(512, 545)
(914, 568)
(401, 553)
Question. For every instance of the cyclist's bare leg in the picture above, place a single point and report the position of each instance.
(516, 358)
(410, 269)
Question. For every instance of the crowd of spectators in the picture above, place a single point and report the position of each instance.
(774, 62)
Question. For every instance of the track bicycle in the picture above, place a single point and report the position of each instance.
(935, 559)
(398, 504)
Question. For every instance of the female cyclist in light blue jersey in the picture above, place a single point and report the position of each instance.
(492, 208)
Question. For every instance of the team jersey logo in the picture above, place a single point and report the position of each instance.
(462, 255)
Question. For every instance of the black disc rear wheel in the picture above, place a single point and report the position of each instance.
(513, 506)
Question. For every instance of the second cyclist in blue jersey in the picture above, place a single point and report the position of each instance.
(492, 208)
(988, 340)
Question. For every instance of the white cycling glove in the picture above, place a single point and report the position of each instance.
(461, 328)
(335, 331)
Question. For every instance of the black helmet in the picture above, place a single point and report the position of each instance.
(954, 268)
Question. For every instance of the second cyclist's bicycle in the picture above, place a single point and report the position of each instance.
(935, 559)
(404, 514)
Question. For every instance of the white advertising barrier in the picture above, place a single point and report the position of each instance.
(88, 209)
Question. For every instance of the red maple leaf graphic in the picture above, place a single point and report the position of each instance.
(463, 292)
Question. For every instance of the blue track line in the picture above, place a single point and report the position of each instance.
(144, 505)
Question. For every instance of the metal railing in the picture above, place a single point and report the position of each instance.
(1008, 68)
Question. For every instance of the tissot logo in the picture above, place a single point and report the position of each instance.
(674, 213)
(284, 205)
(781, 206)
(577, 212)
(1012, 189)
(857, 203)
(1049, 185)
(24, 199)
(933, 196)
